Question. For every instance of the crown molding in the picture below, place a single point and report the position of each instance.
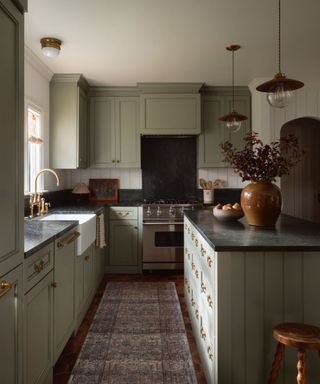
(169, 87)
(32, 59)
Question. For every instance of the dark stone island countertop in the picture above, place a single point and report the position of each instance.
(39, 233)
(289, 234)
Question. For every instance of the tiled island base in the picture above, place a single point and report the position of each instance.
(235, 298)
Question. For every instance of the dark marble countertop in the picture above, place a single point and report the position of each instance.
(39, 233)
(289, 234)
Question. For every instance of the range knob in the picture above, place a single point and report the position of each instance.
(172, 211)
(149, 212)
(159, 211)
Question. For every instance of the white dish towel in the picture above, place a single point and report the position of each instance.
(101, 237)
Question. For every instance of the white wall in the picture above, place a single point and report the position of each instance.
(37, 81)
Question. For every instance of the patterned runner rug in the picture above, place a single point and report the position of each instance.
(137, 337)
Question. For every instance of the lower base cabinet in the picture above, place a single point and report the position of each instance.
(63, 295)
(84, 283)
(11, 327)
(38, 325)
(124, 240)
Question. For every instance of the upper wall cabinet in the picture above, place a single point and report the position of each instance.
(114, 132)
(170, 109)
(216, 102)
(68, 121)
(11, 144)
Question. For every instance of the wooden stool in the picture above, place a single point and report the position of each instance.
(300, 336)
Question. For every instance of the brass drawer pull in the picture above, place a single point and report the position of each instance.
(193, 303)
(202, 251)
(196, 312)
(123, 214)
(186, 226)
(192, 236)
(193, 266)
(210, 302)
(202, 333)
(5, 287)
(70, 239)
(39, 267)
(196, 272)
(209, 261)
(203, 287)
(196, 242)
(209, 350)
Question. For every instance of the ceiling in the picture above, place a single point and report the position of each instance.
(122, 42)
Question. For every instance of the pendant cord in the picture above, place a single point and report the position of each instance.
(233, 81)
(279, 37)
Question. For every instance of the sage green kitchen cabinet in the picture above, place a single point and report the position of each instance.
(84, 283)
(12, 128)
(38, 325)
(124, 240)
(64, 292)
(214, 104)
(170, 114)
(99, 265)
(114, 132)
(11, 327)
(68, 121)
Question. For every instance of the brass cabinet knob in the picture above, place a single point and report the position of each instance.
(192, 236)
(193, 266)
(87, 258)
(209, 261)
(113, 161)
(210, 354)
(202, 251)
(202, 333)
(196, 312)
(210, 302)
(193, 303)
(203, 287)
(5, 287)
(196, 272)
(54, 284)
(118, 161)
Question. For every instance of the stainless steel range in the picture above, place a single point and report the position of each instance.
(163, 233)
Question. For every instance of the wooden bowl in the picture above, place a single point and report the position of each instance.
(227, 215)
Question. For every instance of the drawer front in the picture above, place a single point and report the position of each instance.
(37, 266)
(123, 213)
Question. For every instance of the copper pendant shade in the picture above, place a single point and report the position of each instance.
(280, 87)
(233, 119)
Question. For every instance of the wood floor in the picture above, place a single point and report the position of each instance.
(64, 365)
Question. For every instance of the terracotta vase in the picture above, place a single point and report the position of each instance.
(261, 203)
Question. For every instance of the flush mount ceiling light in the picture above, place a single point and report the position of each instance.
(233, 119)
(50, 46)
(279, 89)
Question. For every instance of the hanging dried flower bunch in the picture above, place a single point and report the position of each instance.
(259, 162)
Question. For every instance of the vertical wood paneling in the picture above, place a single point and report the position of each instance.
(224, 317)
(238, 318)
(274, 300)
(254, 307)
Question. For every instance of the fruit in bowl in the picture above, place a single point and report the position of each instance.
(228, 212)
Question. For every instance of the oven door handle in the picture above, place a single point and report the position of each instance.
(166, 223)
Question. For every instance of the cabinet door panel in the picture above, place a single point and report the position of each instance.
(63, 296)
(83, 132)
(11, 126)
(127, 132)
(11, 329)
(38, 311)
(102, 132)
(212, 132)
(123, 243)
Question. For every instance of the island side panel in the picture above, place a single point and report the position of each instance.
(256, 291)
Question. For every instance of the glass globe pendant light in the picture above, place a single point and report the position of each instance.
(279, 89)
(233, 119)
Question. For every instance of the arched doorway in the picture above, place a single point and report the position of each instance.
(301, 189)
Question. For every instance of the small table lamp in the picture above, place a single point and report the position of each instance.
(82, 192)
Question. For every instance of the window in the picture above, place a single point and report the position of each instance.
(33, 147)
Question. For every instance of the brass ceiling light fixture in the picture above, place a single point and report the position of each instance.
(50, 46)
(279, 89)
(233, 119)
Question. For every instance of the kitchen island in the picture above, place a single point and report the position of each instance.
(241, 281)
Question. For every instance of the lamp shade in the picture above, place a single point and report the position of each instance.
(81, 189)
